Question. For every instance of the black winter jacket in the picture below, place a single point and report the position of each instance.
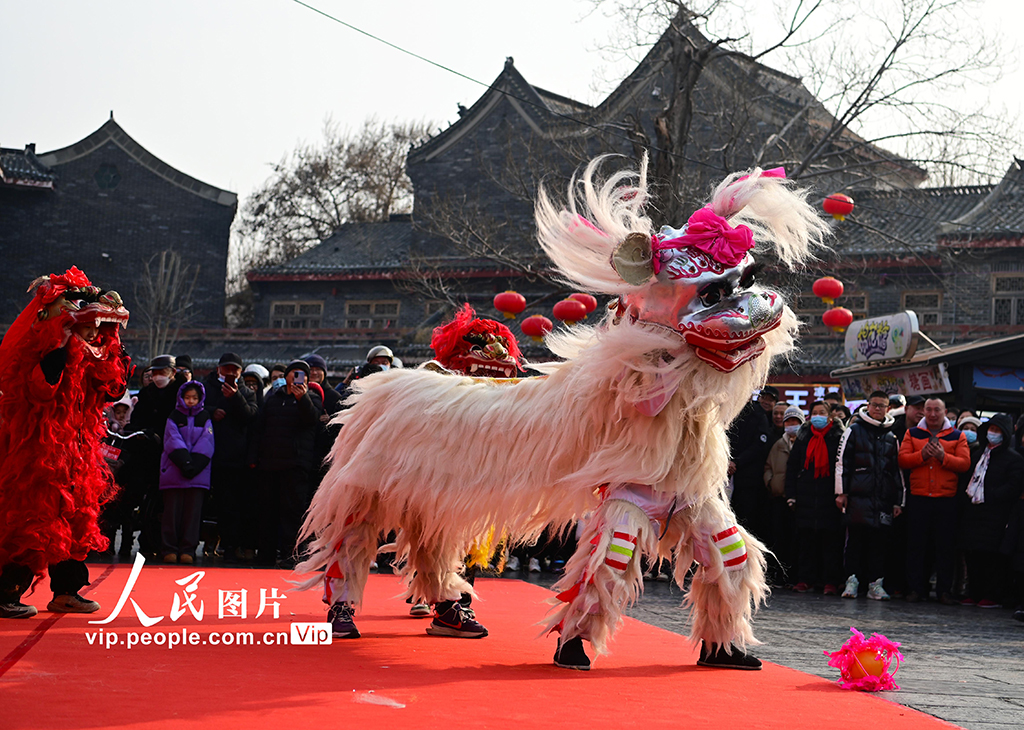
(230, 434)
(749, 444)
(815, 496)
(285, 432)
(869, 472)
(984, 524)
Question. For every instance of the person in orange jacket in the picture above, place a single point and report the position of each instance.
(935, 453)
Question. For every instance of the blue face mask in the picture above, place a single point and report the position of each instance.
(819, 422)
(279, 383)
(384, 367)
(994, 438)
(971, 436)
(792, 429)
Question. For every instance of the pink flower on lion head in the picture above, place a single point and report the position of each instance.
(712, 234)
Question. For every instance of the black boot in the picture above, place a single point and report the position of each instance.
(571, 655)
(720, 659)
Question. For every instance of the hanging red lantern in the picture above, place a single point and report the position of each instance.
(536, 327)
(586, 300)
(837, 319)
(828, 289)
(570, 311)
(510, 303)
(838, 206)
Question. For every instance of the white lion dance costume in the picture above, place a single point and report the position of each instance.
(630, 426)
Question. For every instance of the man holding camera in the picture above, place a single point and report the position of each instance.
(234, 409)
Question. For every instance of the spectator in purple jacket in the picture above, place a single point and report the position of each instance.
(185, 473)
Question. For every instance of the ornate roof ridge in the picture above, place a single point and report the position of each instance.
(112, 131)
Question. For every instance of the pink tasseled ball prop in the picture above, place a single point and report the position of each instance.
(864, 663)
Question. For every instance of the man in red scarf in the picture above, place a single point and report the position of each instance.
(810, 492)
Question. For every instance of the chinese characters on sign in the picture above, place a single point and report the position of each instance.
(893, 337)
(912, 381)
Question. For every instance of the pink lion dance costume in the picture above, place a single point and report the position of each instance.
(630, 425)
(60, 363)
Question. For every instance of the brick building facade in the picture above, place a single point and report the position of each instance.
(107, 205)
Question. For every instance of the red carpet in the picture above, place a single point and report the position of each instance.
(395, 676)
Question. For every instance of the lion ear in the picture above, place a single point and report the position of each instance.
(36, 283)
(632, 259)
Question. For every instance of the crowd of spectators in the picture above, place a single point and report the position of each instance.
(229, 462)
(906, 498)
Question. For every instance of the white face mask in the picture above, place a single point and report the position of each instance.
(161, 381)
(792, 429)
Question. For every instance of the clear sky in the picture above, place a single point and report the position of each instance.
(221, 88)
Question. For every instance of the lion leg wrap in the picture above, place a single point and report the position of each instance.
(729, 585)
(603, 576)
(347, 571)
(431, 569)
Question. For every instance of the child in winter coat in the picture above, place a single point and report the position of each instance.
(185, 473)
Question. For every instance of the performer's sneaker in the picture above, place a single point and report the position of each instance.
(571, 655)
(721, 660)
(342, 624)
(420, 610)
(72, 604)
(451, 618)
(16, 609)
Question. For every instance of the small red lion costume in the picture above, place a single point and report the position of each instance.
(53, 476)
(478, 347)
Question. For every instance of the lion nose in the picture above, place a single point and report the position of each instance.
(760, 309)
(496, 350)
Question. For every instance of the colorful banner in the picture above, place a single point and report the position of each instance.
(892, 337)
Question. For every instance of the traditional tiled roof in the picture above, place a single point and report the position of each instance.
(21, 168)
(111, 131)
(354, 246)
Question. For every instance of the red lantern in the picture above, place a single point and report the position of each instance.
(838, 206)
(509, 303)
(536, 326)
(570, 311)
(586, 300)
(828, 289)
(838, 319)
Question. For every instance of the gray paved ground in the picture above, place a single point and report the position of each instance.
(964, 665)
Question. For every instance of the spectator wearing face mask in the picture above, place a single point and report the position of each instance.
(995, 486)
(284, 455)
(141, 472)
(783, 524)
(276, 379)
(810, 492)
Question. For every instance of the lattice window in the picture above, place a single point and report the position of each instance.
(432, 308)
(1008, 310)
(926, 304)
(378, 315)
(296, 315)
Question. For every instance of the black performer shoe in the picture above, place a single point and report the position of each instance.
(342, 625)
(452, 619)
(72, 603)
(719, 659)
(16, 609)
(571, 655)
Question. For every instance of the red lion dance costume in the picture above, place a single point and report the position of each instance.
(60, 362)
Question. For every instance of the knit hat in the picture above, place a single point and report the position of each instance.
(315, 361)
(793, 412)
(183, 362)
(297, 365)
(969, 419)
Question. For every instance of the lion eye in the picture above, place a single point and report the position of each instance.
(750, 276)
(712, 294)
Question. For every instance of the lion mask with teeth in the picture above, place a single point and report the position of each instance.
(478, 347)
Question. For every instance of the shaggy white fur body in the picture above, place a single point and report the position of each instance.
(443, 459)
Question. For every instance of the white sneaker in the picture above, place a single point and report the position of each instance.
(512, 564)
(534, 565)
(876, 592)
(852, 586)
